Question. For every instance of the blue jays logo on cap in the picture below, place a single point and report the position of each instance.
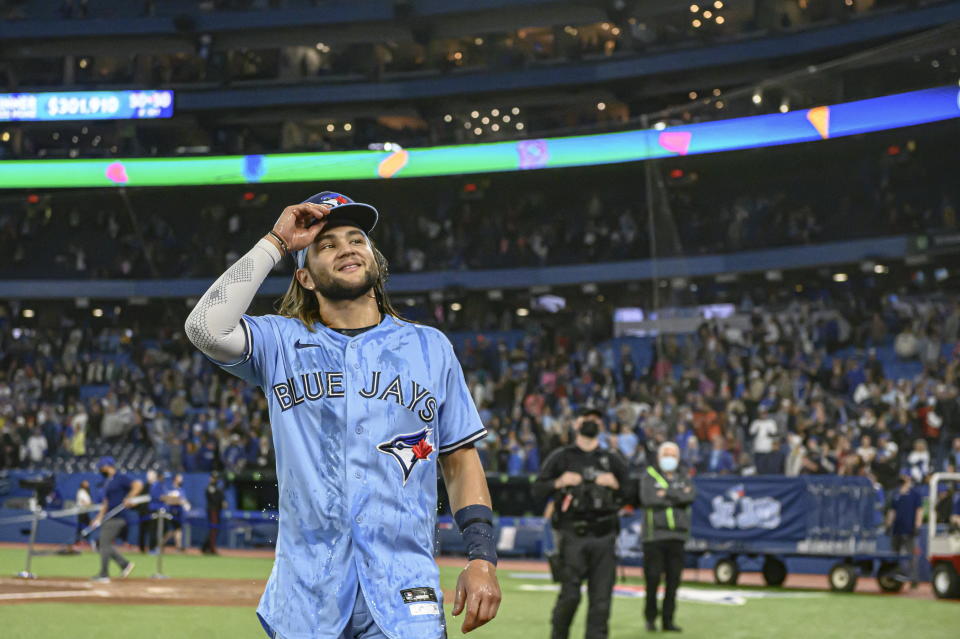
(408, 450)
(343, 210)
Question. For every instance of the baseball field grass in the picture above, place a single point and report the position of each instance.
(704, 611)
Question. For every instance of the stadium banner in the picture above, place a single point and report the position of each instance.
(751, 508)
(815, 509)
(65, 106)
(806, 125)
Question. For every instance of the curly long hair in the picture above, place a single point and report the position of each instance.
(301, 303)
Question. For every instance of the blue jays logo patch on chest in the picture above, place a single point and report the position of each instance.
(408, 449)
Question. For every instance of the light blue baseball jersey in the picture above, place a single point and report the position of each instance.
(358, 423)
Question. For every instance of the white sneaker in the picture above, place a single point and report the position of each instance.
(100, 580)
(126, 571)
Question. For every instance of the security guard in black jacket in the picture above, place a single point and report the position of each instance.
(666, 493)
(588, 487)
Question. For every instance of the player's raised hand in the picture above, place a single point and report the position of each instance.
(299, 224)
(478, 592)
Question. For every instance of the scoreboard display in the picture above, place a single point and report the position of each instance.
(85, 105)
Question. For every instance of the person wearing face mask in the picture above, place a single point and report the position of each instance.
(666, 493)
(588, 486)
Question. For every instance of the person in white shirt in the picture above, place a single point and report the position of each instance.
(36, 447)
(763, 430)
(82, 500)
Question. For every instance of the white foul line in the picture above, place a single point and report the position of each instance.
(54, 594)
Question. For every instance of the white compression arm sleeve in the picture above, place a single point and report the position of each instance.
(214, 323)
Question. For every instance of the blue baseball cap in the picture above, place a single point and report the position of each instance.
(106, 460)
(344, 211)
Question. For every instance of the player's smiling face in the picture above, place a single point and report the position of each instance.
(341, 264)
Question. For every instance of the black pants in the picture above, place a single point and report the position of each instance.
(147, 532)
(83, 520)
(662, 560)
(594, 559)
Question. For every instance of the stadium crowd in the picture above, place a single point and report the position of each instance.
(804, 389)
(511, 220)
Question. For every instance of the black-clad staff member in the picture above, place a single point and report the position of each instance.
(666, 493)
(216, 502)
(587, 486)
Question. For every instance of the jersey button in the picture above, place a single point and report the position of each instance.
(359, 519)
(359, 430)
(357, 365)
(357, 474)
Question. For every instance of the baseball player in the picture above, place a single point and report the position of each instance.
(362, 407)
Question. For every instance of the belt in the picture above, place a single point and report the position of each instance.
(594, 527)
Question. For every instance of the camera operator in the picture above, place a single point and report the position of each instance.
(587, 486)
(665, 495)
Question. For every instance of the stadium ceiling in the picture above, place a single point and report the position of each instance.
(807, 125)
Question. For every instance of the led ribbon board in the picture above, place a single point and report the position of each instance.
(819, 123)
(85, 105)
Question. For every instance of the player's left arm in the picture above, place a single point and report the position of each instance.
(478, 591)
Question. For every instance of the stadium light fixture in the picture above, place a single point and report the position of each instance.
(5, 136)
(519, 126)
(719, 104)
(28, 313)
(495, 112)
(477, 131)
(347, 127)
(839, 277)
(880, 269)
(515, 110)
(484, 120)
(495, 127)
(708, 14)
(694, 8)
(506, 118)
(523, 312)
(696, 24)
(720, 20)
(456, 306)
(615, 31)
(478, 41)
(97, 312)
(448, 118)
(330, 128)
(784, 106)
(692, 95)
(601, 106)
(757, 98)
(718, 5)
(660, 126)
(716, 92)
(474, 114)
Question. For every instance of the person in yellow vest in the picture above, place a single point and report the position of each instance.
(666, 493)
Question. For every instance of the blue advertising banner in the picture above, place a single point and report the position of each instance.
(779, 509)
(755, 508)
